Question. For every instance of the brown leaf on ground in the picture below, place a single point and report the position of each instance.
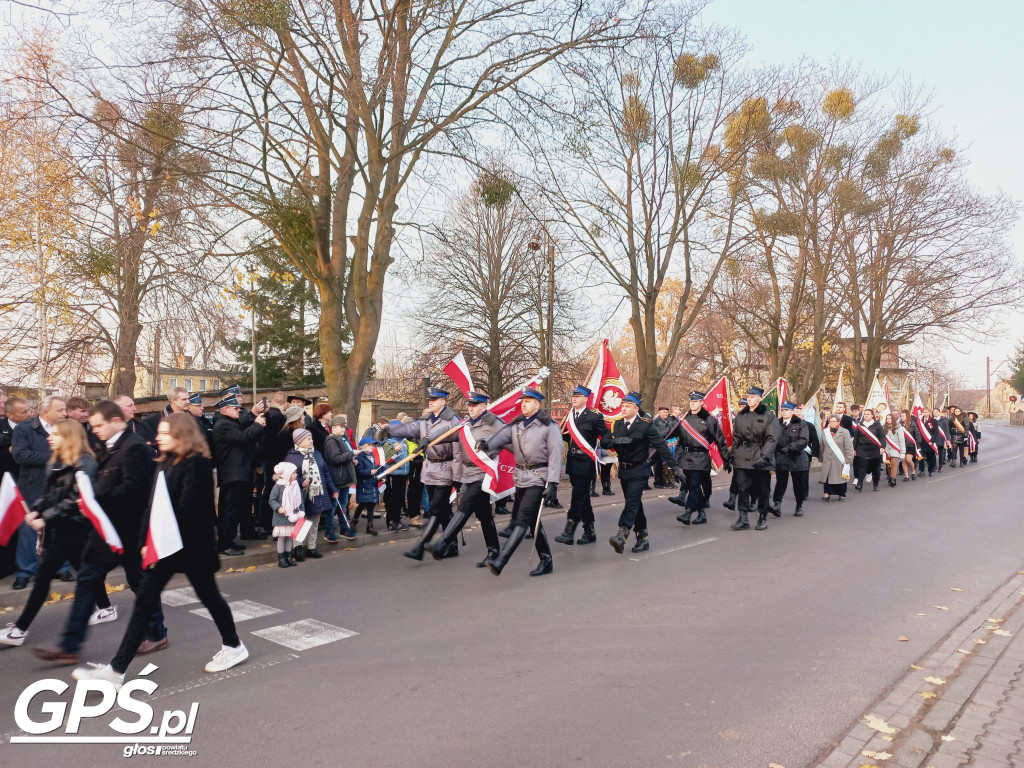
(979, 641)
(914, 666)
(964, 652)
(927, 694)
(1003, 633)
(935, 680)
(995, 621)
(875, 755)
(903, 638)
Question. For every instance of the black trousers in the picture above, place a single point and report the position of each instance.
(606, 474)
(475, 501)
(525, 512)
(658, 469)
(234, 503)
(782, 483)
(696, 496)
(633, 509)
(580, 508)
(928, 462)
(414, 489)
(862, 467)
(757, 484)
(440, 503)
(394, 497)
(147, 599)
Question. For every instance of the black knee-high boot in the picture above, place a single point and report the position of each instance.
(416, 553)
(546, 564)
(451, 531)
(514, 540)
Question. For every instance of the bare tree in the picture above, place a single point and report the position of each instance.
(645, 184)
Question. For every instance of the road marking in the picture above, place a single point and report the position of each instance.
(305, 634)
(975, 468)
(241, 610)
(176, 597)
(684, 546)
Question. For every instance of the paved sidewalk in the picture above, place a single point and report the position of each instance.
(962, 705)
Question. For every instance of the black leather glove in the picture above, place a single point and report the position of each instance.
(727, 463)
(622, 440)
(551, 495)
(456, 485)
(481, 445)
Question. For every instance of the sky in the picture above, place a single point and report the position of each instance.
(968, 56)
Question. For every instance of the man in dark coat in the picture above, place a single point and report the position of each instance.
(754, 439)
(633, 436)
(589, 426)
(791, 460)
(124, 481)
(136, 426)
(698, 431)
(16, 411)
(941, 437)
(664, 422)
(30, 448)
(236, 436)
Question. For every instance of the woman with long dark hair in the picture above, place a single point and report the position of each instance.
(185, 465)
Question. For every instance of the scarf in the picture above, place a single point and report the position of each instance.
(292, 498)
(311, 472)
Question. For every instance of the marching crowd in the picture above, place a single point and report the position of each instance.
(278, 471)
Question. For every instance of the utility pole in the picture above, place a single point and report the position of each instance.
(988, 388)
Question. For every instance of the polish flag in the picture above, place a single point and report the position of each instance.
(380, 461)
(12, 508)
(163, 538)
(458, 371)
(301, 529)
(91, 508)
(717, 401)
(606, 385)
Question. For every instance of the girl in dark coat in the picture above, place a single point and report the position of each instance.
(318, 490)
(868, 441)
(367, 493)
(57, 514)
(186, 468)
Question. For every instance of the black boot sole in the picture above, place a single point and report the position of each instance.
(616, 545)
(413, 555)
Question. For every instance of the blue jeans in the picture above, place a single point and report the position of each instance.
(25, 554)
(343, 529)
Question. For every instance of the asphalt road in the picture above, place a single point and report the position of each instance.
(716, 648)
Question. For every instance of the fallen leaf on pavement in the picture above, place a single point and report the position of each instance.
(996, 621)
(887, 738)
(927, 694)
(1003, 633)
(775, 765)
(956, 589)
(935, 680)
(349, 549)
(979, 641)
(878, 724)
(914, 666)
(941, 607)
(947, 737)
(903, 638)
(922, 614)
(116, 588)
(249, 568)
(875, 755)
(961, 650)
(730, 734)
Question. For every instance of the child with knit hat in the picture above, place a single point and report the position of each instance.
(286, 502)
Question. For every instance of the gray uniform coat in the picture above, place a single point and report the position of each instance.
(443, 463)
(537, 446)
(486, 427)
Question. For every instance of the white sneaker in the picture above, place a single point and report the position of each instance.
(99, 672)
(11, 635)
(227, 657)
(103, 615)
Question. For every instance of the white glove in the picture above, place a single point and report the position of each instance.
(293, 518)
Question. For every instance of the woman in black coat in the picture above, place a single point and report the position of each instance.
(186, 468)
(867, 452)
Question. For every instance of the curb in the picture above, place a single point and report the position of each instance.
(942, 728)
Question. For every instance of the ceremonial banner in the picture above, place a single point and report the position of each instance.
(91, 508)
(812, 417)
(918, 412)
(607, 386)
(876, 398)
(458, 371)
(12, 508)
(162, 537)
(840, 396)
(772, 398)
(717, 402)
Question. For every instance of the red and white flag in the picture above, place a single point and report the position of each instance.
(717, 401)
(12, 508)
(458, 371)
(379, 461)
(606, 385)
(163, 538)
(918, 412)
(91, 508)
(301, 529)
(483, 462)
